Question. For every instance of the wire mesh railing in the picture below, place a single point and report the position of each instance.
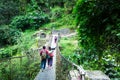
(20, 68)
(67, 69)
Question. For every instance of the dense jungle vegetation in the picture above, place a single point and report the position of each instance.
(98, 24)
(96, 21)
(19, 20)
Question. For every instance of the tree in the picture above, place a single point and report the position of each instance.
(8, 9)
(99, 28)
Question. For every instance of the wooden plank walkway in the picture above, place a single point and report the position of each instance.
(49, 73)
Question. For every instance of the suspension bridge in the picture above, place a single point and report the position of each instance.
(63, 69)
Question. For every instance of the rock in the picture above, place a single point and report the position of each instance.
(74, 75)
(42, 35)
(96, 75)
(62, 31)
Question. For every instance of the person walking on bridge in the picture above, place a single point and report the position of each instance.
(55, 39)
(43, 54)
(50, 57)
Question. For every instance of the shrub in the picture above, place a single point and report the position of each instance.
(31, 20)
(8, 35)
(4, 53)
(56, 13)
(98, 32)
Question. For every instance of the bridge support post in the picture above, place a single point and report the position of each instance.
(83, 75)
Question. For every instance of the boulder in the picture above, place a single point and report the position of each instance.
(95, 75)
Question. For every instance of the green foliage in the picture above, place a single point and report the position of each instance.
(8, 9)
(24, 42)
(69, 5)
(30, 16)
(68, 47)
(8, 51)
(32, 6)
(65, 22)
(99, 29)
(19, 68)
(8, 35)
(31, 20)
(62, 21)
(56, 13)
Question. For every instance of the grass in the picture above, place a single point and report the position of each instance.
(24, 43)
(67, 21)
(69, 45)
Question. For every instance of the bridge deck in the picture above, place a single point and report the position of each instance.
(49, 73)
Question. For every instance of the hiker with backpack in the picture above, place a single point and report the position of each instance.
(43, 54)
(50, 57)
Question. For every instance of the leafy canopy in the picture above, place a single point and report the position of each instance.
(98, 24)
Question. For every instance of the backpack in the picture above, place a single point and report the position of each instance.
(43, 55)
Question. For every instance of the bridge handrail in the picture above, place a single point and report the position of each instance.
(2, 59)
(30, 58)
(80, 68)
